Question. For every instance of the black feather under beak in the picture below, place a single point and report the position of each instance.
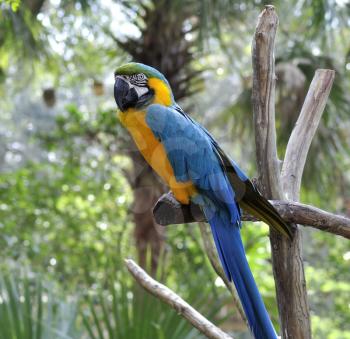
(124, 96)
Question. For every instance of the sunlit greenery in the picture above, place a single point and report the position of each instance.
(66, 199)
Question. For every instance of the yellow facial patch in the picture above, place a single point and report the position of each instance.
(162, 94)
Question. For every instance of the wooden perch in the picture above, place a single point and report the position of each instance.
(168, 211)
(171, 298)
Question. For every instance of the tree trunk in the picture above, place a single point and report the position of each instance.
(162, 45)
(149, 236)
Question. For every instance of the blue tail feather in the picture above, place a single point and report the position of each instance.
(232, 255)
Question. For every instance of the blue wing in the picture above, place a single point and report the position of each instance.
(193, 154)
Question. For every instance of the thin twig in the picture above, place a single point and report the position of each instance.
(171, 298)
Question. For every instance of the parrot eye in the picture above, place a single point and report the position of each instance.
(141, 76)
(139, 79)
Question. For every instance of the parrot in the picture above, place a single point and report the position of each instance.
(197, 170)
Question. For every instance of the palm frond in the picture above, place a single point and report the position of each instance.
(29, 311)
(125, 310)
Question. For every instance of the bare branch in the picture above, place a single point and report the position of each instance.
(171, 298)
(168, 211)
(287, 257)
(263, 98)
(304, 131)
(307, 215)
(288, 268)
(211, 252)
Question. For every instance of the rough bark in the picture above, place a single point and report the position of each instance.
(171, 298)
(146, 189)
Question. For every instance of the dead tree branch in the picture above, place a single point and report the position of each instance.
(263, 100)
(287, 256)
(168, 211)
(307, 215)
(304, 131)
(287, 259)
(163, 293)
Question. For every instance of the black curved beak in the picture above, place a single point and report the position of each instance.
(124, 96)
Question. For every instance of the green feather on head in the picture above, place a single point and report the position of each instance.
(132, 68)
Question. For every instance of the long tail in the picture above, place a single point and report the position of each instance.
(229, 245)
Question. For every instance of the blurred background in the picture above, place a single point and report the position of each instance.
(75, 197)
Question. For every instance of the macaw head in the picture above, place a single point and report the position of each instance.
(138, 85)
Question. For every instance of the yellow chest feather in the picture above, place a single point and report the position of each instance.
(154, 153)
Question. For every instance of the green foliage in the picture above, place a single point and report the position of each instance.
(14, 4)
(122, 310)
(329, 286)
(66, 212)
(16, 20)
(30, 310)
(114, 308)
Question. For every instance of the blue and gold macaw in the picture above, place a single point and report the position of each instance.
(197, 170)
